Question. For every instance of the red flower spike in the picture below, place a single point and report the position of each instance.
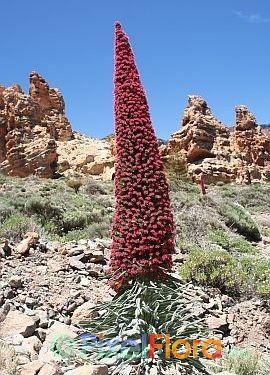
(143, 227)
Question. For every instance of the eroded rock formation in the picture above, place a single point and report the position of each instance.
(36, 138)
(30, 125)
(211, 150)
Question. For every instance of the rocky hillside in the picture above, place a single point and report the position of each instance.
(54, 253)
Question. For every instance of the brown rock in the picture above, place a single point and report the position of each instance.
(205, 147)
(50, 369)
(200, 142)
(83, 313)
(87, 156)
(17, 323)
(250, 149)
(31, 368)
(58, 334)
(29, 128)
(30, 240)
(217, 323)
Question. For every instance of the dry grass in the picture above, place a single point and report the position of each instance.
(8, 360)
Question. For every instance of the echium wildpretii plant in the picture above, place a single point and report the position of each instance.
(148, 300)
(143, 228)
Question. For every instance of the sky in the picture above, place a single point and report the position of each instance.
(218, 49)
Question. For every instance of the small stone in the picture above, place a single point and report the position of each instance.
(83, 312)
(8, 293)
(76, 250)
(97, 257)
(85, 281)
(217, 323)
(22, 298)
(50, 369)
(15, 281)
(15, 339)
(41, 334)
(55, 265)
(30, 302)
(30, 240)
(4, 248)
(42, 270)
(77, 264)
(43, 318)
(67, 320)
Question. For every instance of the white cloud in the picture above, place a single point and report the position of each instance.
(252, 18)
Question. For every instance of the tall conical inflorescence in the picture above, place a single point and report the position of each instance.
(143, 227)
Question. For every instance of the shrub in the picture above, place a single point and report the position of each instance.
(73, 220)
(220, 183)
(9, 360)
(75, 183)
(16, 225)
(235, 276)
(193, 222)
(241, 245)
(94, 187)
(236, 217)
(44, 208)
(250, 362)
(5, 211)
(3, 179)
(230, 242)
(213, 268)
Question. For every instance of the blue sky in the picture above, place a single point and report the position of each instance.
(216, 49)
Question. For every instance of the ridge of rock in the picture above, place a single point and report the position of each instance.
(208, 148)
(30, 125)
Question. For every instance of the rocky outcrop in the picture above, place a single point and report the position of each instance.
(53, 107)
(250, 148)
(211, 150)
(202, 135)
(36, 138)
(87, 155)
(30, 125)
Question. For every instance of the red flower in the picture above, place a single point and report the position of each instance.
(143, 228)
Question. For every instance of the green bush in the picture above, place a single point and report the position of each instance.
(15, 227)
(5, 211)
(44, 208)
(73, 220)
(213, 268)
(96, 230)
(230, 242)
(241, 245)
(75, 183)
(94, 187)
(237, 217)
(235, 276)
(248, 363)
